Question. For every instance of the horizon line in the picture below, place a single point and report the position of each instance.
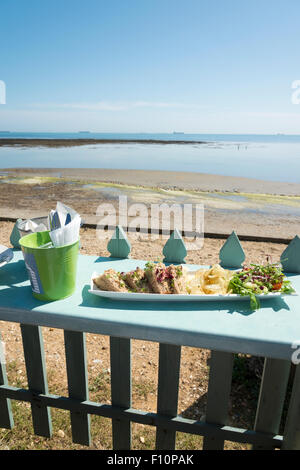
(147, 132)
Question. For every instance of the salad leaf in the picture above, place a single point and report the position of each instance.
(257, 280)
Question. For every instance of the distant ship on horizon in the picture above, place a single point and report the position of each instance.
(176, 133)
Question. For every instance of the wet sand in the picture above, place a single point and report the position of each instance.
(176, 180)
(27, 193)
(56, 143)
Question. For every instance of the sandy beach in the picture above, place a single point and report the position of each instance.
(177, 180)
(250, 207)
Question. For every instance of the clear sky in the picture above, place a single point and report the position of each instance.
(199, 66)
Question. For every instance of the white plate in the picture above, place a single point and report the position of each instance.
(137, 296)
(6, 255)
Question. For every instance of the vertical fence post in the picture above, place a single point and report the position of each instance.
(120, 360)
(77, 384)
(291, 438)
(271, 397)
(219, 387)
(6, 417)
(36, 374)
(167, 397)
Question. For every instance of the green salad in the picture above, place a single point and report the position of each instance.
(257, 280)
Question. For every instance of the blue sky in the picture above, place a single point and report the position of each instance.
(219, 66)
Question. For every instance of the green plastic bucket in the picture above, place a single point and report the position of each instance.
(52, 271)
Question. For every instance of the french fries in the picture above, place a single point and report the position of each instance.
(208, 281)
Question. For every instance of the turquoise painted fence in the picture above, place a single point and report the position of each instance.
(215, 429)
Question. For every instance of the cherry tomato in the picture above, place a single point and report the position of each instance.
(277, 286)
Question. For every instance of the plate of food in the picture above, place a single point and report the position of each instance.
(6, 255)
(157, 282)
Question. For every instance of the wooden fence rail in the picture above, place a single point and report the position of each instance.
(215, 429)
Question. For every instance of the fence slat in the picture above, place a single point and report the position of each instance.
(219, 386)
(232, 254)
(120, 363)
(175, 250)
(77, 384)
(6, 417)
(291, 438)
(167, 396)
(119, 245)
(271, 397)
(33, 347)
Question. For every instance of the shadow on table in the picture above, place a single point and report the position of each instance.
(103, 259)
(13, 273)
(242, 306)
(14, 293)
(276, 304)
(19, 297)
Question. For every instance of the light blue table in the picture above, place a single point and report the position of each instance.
(225, 328)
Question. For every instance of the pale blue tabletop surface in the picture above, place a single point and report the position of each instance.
(228, 326)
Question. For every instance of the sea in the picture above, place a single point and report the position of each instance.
(266, 157)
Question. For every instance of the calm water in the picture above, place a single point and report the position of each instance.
(275, 158)
(175, 136)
